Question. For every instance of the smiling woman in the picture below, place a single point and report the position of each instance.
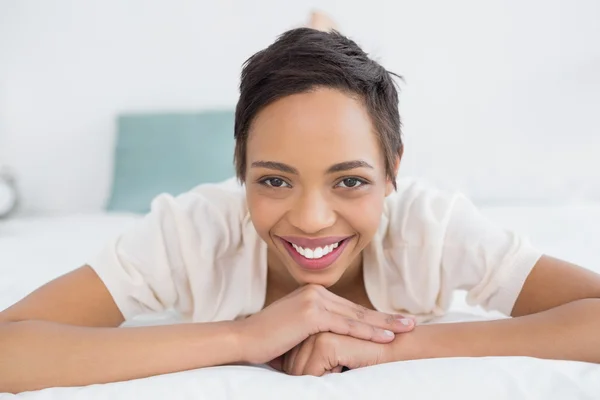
(321, 259)
(324, 183)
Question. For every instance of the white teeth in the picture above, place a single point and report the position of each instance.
(308, 253)
(318, 252)
(315, 253)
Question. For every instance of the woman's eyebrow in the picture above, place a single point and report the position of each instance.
(348, 165)
(276, 166)
(339, 167)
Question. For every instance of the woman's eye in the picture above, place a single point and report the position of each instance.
(275, 182)
(350, 183)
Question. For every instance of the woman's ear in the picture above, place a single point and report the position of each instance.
(390, 185)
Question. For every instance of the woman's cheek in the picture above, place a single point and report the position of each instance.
(364, 213)
(264, 212)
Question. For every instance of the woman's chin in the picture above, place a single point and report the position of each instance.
(326, 278)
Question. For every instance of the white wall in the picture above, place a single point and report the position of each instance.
(69, 66)
(501, 96)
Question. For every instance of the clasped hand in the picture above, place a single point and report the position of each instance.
(312, 331)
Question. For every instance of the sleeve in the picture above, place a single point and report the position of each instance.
(149, 268)
(488, 261)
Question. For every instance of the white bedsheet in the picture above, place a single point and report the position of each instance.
(35, 250)
(485, 378)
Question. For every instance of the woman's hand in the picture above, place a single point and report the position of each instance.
(307, 311)
(327, 352)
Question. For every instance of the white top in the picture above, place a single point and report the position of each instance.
(199, 254)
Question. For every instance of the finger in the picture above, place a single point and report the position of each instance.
(393, 322)
(336, 323)
(317, 365)
(302, 356)
(289, 357)
(276, 363)
(336, 370)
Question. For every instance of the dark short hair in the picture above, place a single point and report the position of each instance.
(303, 59)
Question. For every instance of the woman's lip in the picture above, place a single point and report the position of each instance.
(314, 243)
(315, 264)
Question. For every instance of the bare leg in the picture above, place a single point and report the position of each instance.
(321, 21)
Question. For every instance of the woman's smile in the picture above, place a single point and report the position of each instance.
(315, 254)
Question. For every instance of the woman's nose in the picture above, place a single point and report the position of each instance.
(312, 213)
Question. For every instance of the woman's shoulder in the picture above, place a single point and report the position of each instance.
(215, 212)
(418, 208)
(183, 254)
(225, 198)
(421, 196)
(228, 188)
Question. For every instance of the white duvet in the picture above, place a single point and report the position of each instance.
(33, 251)
(453, 378)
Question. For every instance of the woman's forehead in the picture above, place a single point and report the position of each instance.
(324, 125)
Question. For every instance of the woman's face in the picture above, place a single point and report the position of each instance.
(315, 182)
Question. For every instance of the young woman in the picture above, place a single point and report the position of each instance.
(319, 261)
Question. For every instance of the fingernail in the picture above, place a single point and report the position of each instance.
(388, 333)
(405, 321)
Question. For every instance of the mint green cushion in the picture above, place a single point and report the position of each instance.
(169, 153)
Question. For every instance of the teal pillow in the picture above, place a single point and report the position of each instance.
(169, 153)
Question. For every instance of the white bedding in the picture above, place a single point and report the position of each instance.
(35, 250)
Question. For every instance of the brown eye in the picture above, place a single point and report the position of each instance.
(351, 183)
(275, 182)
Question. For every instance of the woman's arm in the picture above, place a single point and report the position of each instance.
(557, 316)
(41, 354)
(64, 334)
(567, 332)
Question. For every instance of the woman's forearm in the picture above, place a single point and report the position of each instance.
(38, 354)
(567, 332)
